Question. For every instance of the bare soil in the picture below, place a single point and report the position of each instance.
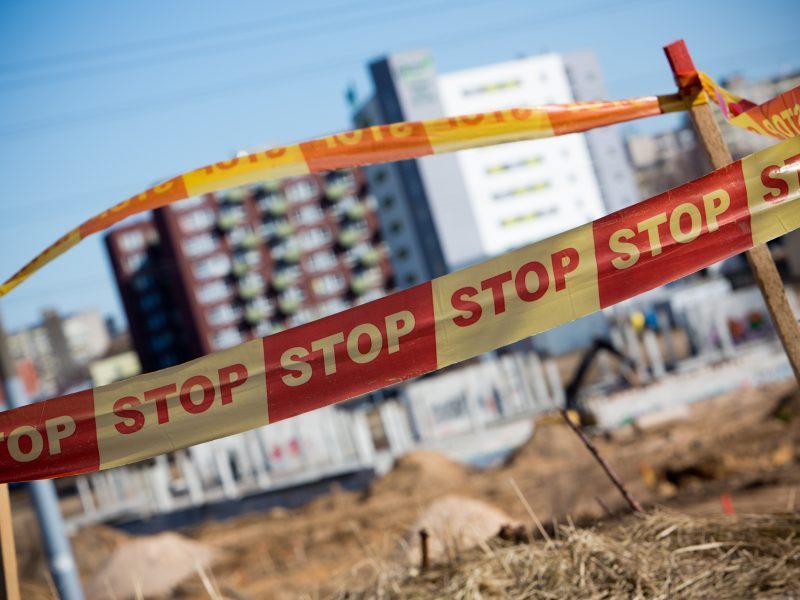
(743, 445)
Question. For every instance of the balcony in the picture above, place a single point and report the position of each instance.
(233, 196)
(283, 278)
(350, 236)
(339, 185)
(250, 287)
(283, 230)
(227, 220)
(289, 305)
(291, 255)
(362, 283)
(255, 313)
(249, 241)
(356, 211)
(276, 206)
(240, 269)
(370, 257)
(336, 190)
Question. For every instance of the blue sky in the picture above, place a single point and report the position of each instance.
(100, 100)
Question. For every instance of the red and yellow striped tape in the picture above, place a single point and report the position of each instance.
(398, 141)
(427, 327)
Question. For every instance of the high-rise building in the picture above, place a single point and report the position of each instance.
(59, 349)
(442, 212)
(216, 270)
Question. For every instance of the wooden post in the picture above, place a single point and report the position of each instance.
(9, 590)
(759, 257)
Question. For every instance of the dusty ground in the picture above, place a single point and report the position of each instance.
(743, 444)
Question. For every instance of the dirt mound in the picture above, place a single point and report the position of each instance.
(422, 470)
(455, 524)
(150, 567)
(552, 444)
(656, 556)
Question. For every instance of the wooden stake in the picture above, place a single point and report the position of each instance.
(10, 582)
(612, 475)
(759, 257)
(424, 562)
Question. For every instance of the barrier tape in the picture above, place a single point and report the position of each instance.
(415, 331)
(384, 143)
(778, 117)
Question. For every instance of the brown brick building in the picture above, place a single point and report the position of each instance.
(216, 270)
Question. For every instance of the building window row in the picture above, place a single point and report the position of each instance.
(213, 291)
(197, 220)
(320, 261)
(301, 190)
(198, 245)
(504, 167)
(217, 265)
(524, 190)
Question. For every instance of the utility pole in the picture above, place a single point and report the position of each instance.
(759, 257)
(43, 493)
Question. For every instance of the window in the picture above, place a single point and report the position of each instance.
(162, 341)
(156, 321)
(334, 305)
(132, 240)
(167, 360)
(308, 214)
(198, 245)
(222, 315)
(184, 205)
(230, 336)
(197, 220)
(293, 294)
(321, 261)
(214, 266)
(301, 190)
(211, 292)
(143, 282)
(308, 240)
(328, 284)
(150, 301)
(136, 261)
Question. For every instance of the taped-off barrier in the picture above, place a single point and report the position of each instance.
(411, 332)
(398, 141)
(424, 328)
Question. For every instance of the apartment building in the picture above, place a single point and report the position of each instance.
(217, 270)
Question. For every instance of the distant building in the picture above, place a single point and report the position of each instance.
(57, 350)
(666, 159)
(216, 270)
(443, 212)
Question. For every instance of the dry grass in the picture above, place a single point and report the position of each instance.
(661, 555)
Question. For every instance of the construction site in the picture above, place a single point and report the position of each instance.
(718, 479)
(480, 327)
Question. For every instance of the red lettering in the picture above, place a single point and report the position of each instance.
(231, 377)
(774, 183)
(159, 395)
(521, 281)
(470, 306)
(564, 261)
(186, 394)
(496, 285)
(125, 409)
